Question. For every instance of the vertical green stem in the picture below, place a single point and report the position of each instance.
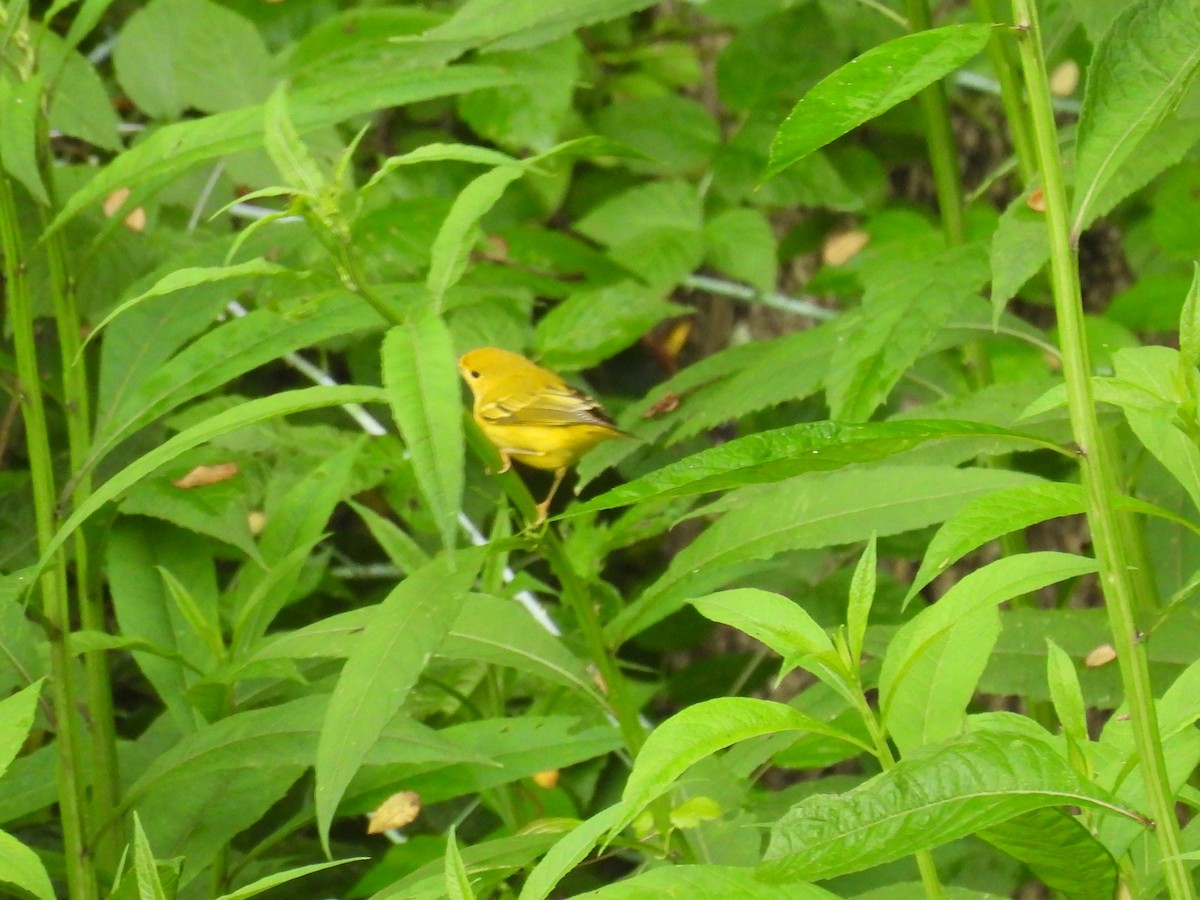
(1097, 474)
(1006, 66)
(81, 876)
(77, 406)
(939, 135)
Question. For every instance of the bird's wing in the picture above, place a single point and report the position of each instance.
(550, 405)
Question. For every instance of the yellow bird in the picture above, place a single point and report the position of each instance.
(532, 415)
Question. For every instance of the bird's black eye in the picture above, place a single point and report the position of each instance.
(474, 374)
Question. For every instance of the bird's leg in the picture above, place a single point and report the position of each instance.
(505, 462)
(543, 508)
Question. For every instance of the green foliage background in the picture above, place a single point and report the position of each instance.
(901, 312)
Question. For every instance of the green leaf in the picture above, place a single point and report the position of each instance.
(935, 659)
(818, 510)
(860, 601)
(676, 135)
(175, 148)
(386, 661)
(990, 518)
(703, 882)
(501, 632)
(176, 54)
(423, 390)
(570, 850)
(234, 348)
(248, 413)
(592, 325)
(20, 107)
(1142, 66)
(149, 885)
(872, 84)
(1060, 850)
(770, 456)
(80, 105)
(458, 884)
(906, 305)
(191, 277)
(741, 244)
(530, 113)
(780, 623)
(1189, 323)
(456, 237)
(21, 868)
(1067, 696)
(700, 731)
(288, 152)
(16, 718)
(972, 783)
(516, 24)
(266, 883)
(402, 551)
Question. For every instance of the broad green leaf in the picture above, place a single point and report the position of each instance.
(458, 883)
(907, 303)
(964, 786)
(780, 623)
(175, 148)
(1061, 851)
(423, 391)
(700, 731)
(438, 152)
(501, 632)
(818, 510)
(248, 413)
(1141, 69)
(268, 882)
(675, 134)
(21, 868)
(769, 456)
(872, 84)
(80, 105)
(137, 551)
(216, 358)
(20, 107)
(149, 885)
(1152, 370)
(935, 659)
(703, 882)
(516, 24)
(646, 208)
(741, 244)
(386, 661)
(176, 54)
(22, 660)
(992, 517)
(16, 718)
(570, 850)
(593, 324)
(530, 113)
(456, 237)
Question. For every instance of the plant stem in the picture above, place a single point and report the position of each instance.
(1097, 474)
(1006, 66)
(81, 875)
(939, 135)
(883, 753)
(77, 407)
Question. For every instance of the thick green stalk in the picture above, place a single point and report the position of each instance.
(81, 875)
(939, 135)
(1099, 479)
(77, 407)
